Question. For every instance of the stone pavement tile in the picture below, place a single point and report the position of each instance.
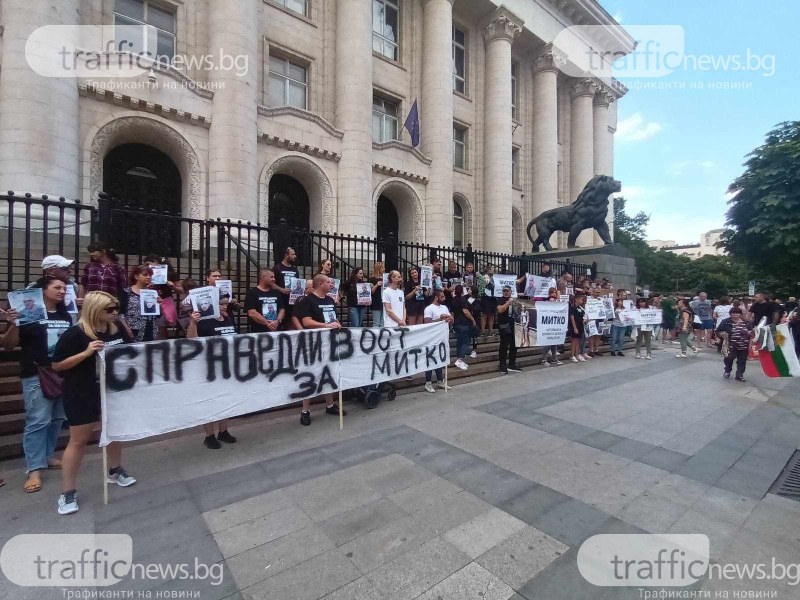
(392, 474)
(359, 589)
(652, 513)
(489, 482)
(483, 532)
(308, 580)
(354, 451)
(417, 571)
(522, 556)
(387, 543)
(207, 589)
(678, 489)
(570, 522)
(573, 431)
(450, 512)
(707, 468)
(734, 441)
(725, 506)
(610, 495)
(422, 494)
(185, 531)
(632, 449)
(246, 510)
(531, 503)
(267, 560)
(752, 484)
(228, 495)
(719, 532)
(778, 517)
(259, 531)
(471, 582)
(440, 458)
(358, 521)
(163, 516)
(543, 398)
(500, 408)
(663, 458)
(299, 466)
(401, 438)
(600, 440)
(134, 502)
(323, 497)
(226, 478)
(561, 579)
(623, 428)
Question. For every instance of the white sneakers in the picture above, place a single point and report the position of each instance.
(461, 365)
(580, 358)
(473, 354)
(441, 385)
(429, 387)
(68, 503)
(574, 359)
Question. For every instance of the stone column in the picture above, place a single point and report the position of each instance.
(581, 154)
(39, 124)
(603, 147)
(233, 171)
(545, 129)
(436, 119)
(503, 27)
(356, 214)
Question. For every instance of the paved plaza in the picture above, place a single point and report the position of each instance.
(485, 492)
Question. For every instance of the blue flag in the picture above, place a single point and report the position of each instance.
(412, 124)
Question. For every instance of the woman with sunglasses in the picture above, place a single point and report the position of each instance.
(74, 357)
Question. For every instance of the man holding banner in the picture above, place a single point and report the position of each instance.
(318, 311)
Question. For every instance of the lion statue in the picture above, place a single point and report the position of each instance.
(588, 211)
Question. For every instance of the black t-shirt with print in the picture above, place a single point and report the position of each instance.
(504, 317)
(282, 272)
(268, 303)
(212, 327)
(322, 310)
(37, 340)
(452, 279)
(416, 305)
(81, 382)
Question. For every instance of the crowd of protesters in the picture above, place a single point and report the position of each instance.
(108, 301)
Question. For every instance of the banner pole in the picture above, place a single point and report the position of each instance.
(341, 412)
(105, 480)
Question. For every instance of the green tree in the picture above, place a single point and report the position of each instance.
(627, 228)
(763, 221)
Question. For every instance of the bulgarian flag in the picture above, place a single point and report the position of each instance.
(776, 351)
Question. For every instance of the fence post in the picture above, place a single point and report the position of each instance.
(469, 256)
(568, 267)
(99, 229)
(220, 243)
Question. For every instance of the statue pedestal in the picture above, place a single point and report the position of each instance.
(615, 262)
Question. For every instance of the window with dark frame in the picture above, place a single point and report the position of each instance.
(459, 60)
(298, 6)
(514, 91)
(385, 31)
(288, 83)
(385, 120)
(458, 224)
(515, 166)
(459, 146)
(144, 27)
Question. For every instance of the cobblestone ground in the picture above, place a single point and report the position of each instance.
(485, 492)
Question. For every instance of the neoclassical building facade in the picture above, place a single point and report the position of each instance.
(312, 129)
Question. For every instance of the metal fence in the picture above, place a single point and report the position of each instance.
(32, 227)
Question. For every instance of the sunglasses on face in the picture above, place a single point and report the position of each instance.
(111, 309)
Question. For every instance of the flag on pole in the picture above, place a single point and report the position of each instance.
(776, 351)
(412, 124)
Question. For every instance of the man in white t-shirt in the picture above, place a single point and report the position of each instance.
(394, 302)
(435, 312)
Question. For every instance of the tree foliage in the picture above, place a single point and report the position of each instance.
(763, 221)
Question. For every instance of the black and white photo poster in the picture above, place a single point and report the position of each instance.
(225, 286)
(205, 300)
(334, 293)
(149, 306)
(297, 288)
(71, 300)
(364, 294)
(159, 274)
(501, 281)
(426, 276)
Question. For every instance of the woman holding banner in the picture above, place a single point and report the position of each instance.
(74, 356)
(645, 332)
(222, 325)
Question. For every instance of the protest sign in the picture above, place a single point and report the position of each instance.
(538, 287)
(595, 309)
(385, 281)
(628, 304)
(608, 307)
(591, 329)
(628, 317)
(501, 281)
(569, 290)
(225, 286)
(71, 301)
(148, 303)
(649, 316)
(29, 303)
(334, 293)
(426, 276)
(205, 300)
(165, 386)
(297, 288)
(364, 294)
(159, 274)
(551, 323)
(269, 308)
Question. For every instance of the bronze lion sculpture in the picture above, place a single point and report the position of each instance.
(589, 211)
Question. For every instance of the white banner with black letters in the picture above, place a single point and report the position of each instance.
(159, 387)
(551, 323)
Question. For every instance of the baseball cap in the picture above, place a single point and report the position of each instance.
(56, 261)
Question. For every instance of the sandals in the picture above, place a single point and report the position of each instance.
(31, 487)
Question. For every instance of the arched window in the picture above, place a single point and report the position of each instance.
(458, 225)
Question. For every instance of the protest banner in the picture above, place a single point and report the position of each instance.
(71, 301)
(159, 387)
(501, 281)
(159, 274)
(538, 287)
(334, 293)
(595, 309)
(297, 288)
(649, 316)
(225, 286)
(426, 276)
(551, 323)
(148, 303)
(29, 303)
(205, 300)
(364, 294)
